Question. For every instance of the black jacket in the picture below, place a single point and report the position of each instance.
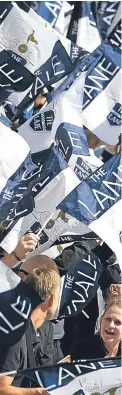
(90, 348)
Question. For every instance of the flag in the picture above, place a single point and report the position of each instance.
(19, 301)
(91, 89)
(60, 121)
(44, 188)
(115, 32)
(102, 101)
(10, 158)
(78, 377)
(63, 20)
(97, 200)
(24, 50)
(49, 11)
(105, 14)
(83, 27)
(79, 286)
(12, 76)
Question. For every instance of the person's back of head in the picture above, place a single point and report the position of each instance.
(110, 282)
(46, 282)
(38, 261)
(42, 274)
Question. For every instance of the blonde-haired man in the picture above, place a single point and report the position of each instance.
(46, 282)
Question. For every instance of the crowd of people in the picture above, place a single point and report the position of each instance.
(97, 334)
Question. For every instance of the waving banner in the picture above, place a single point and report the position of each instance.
(51, 176)
(47, 10)
(45, 189)
(105, 15)
(76, 378)
(19, 301)
(80, 286)
(97, 202)
(101, 91)
(41, 64)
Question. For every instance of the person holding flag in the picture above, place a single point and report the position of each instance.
(29, 351)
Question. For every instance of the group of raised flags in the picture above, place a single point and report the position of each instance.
(33, 56)
(51, 184)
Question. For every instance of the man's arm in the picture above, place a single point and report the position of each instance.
(26, 243)
(7, 389)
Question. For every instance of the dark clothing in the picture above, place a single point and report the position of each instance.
(80, 326)
(16, 357)
(90, 348)
(58, 354)
(73, 255)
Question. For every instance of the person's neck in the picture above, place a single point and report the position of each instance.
(37, 321)
(112, 350)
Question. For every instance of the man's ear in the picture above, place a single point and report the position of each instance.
(114, 289)
(50, 300)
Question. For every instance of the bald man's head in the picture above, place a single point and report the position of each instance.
(40, 262)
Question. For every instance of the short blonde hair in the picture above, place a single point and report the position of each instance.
(40, 262)
(46, 282)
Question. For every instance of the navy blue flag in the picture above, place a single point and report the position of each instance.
(17, 187)
(102, 91)
(80, 286)
(73, 26)
(69, 238)
(13, 75)
(18, 195)
(107, 56)
(115, 37)
(17, 300)
(97, 194)
(78, 377)
(4, 10)
(56, 67)
(105, 14)
(48, 10)
(97, 203)
(83, 27)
